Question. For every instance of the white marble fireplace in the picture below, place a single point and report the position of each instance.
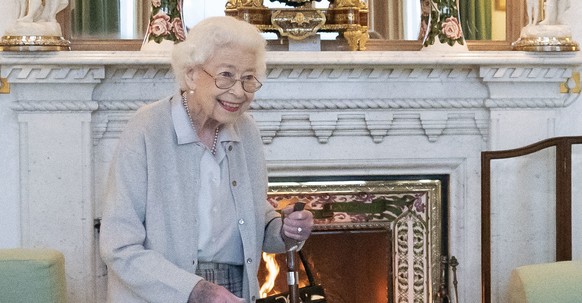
(320, 114)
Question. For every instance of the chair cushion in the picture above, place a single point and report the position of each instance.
(32, 275)
(557, 282)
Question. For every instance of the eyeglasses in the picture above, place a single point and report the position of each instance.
(225, 80)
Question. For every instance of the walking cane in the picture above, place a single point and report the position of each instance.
(292, 268)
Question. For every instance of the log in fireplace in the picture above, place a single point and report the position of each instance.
(376, 239)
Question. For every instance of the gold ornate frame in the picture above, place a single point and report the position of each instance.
(411, 211)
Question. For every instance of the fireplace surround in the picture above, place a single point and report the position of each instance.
(320, 114)
(376, 238)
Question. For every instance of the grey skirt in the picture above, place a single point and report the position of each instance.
(226, 275)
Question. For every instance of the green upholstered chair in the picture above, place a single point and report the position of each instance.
(556, 282)
(32, 275)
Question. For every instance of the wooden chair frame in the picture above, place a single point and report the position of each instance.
(563, 147)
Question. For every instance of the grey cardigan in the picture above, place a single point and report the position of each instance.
(149, 229)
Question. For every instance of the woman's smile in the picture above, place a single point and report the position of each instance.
(229, 106)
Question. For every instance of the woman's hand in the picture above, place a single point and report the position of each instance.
(297, 225)
(206, 292)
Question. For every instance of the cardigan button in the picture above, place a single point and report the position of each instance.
(249, 261)
(234, 183)
(241, 221)
(230, 148)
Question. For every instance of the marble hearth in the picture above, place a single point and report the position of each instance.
(320, 114)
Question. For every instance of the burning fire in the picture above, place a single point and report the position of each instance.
(273, 271)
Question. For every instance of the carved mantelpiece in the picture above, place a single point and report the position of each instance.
(320, 113)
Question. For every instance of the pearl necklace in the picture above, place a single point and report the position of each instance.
(213, 149)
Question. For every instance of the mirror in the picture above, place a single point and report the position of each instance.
(393, 21)
(108, 19)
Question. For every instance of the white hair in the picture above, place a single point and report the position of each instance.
(211, 34)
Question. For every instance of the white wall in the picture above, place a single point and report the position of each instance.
(498, 23)
(195, 10)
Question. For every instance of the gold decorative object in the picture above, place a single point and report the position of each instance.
(297, 24)
(572, 85)
(34, 43)
(301, 20)
(4, 86)
(547, 35)
(545, 44)
(36, 27)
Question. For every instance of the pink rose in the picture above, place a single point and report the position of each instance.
(160, 25)
(156, 3)
(178, 29)
(452, 29)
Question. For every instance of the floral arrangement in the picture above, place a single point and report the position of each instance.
(440, 19)
(166, 21)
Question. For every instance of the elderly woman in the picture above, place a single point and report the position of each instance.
(186, 217)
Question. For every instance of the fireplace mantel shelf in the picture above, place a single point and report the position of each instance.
(395, 58)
